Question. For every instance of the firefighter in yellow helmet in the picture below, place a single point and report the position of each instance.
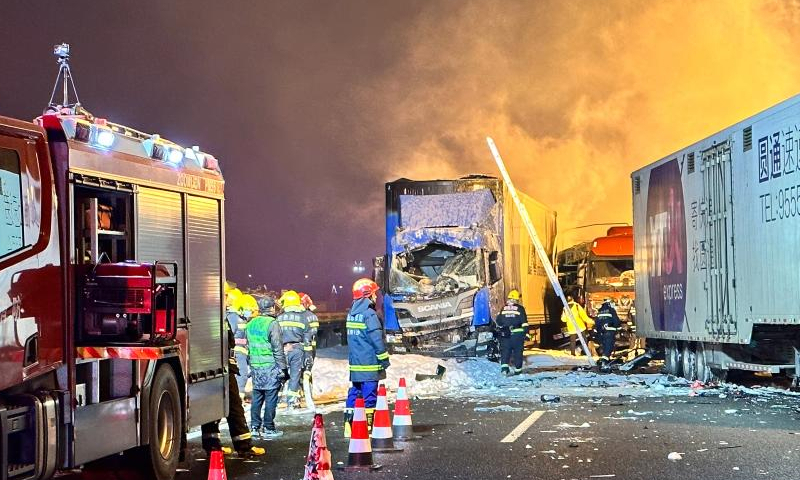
(296, 343)
(248, 308)
(510, 326)
(237, 424)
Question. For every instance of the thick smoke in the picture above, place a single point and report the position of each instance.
(576, 94)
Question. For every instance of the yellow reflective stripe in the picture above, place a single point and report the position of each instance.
(313, 324)
(365, 368)
(356, 325)
(517, 330)
(292, 393)
(244, 436)
(308, 348)
(314, 343)
(383, 356)
(240, 349)
(285, 324)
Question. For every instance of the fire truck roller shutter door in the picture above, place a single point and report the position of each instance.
(203, 272)
(160, 233)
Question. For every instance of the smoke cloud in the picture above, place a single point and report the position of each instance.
(576, 94)
(311, 106)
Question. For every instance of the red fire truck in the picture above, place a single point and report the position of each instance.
(111, 292)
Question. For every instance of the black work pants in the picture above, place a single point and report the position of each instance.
(237, 424)
(511, 351)
(607, 340)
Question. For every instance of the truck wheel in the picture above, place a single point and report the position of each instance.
(689, 362)
(705, 373)
(165, 425)
(672, 359)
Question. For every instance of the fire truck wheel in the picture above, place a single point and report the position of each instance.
(165, 424)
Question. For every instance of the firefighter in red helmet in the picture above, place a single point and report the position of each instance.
(367, 353)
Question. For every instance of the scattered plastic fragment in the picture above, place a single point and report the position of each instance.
(674, 456)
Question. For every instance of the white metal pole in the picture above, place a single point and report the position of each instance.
(548, 267)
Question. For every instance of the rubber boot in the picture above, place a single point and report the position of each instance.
(347, 422)
(370, 418)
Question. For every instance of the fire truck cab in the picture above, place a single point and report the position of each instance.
(111, 295)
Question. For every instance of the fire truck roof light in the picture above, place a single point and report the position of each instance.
(105, 138)
(175, 156)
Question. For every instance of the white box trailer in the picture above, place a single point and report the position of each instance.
(717, 249)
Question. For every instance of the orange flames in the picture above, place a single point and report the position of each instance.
(577, 94)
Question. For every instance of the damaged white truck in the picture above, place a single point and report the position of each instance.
(454, 248)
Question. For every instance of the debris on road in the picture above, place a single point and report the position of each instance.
(550, 398)
(499, 408)
(440, 371)
(674, 456)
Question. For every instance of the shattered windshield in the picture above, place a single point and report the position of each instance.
(434, 269)
(611, 275)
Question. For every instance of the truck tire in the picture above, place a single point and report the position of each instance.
(689, 362)
(705, 373)
(164, 424)
(672, 359)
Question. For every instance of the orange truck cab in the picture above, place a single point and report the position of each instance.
(609, 271)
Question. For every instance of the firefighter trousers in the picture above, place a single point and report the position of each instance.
(237, 424)
(511, 351)
(294, 357)
(607, 340)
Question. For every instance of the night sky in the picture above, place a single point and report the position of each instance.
(311, 106)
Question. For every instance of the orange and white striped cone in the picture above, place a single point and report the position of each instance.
(318, 462)
(401, 423)
(359, 456)
(216, 466)
(382, 440)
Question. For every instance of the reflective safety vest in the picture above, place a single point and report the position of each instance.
(261, 354)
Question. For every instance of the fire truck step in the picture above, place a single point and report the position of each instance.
(20, 470)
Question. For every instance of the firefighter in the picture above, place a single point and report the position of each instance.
(581, 319)
(248, 307)
(511, 326)
(237, 425)
(313, 326)
(367, 353)
(295, 335)
(268, 368)
(310, 345)
(606, 326)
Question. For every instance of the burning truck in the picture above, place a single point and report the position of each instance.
(454, 249)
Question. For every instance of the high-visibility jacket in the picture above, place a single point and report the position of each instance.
(265, 342)
(367, 353)
(237, 324)
(511, 320)
(312, 325)
(581, 318)
(607, 319)
(294, 328)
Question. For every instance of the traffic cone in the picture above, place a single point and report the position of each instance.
(318, 463)
(359, 456)
(382, 440)
(401, 423)
(216, 466)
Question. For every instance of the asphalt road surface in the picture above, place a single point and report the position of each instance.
(577, 438)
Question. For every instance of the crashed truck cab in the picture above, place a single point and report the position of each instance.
(449, 262)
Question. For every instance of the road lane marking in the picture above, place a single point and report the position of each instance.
(522, 427)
